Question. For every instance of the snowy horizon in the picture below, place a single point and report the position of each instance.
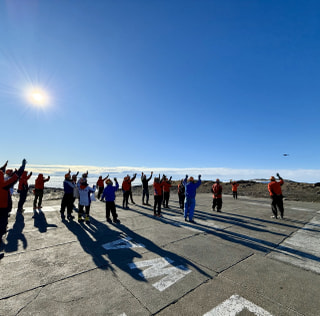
(57, 172)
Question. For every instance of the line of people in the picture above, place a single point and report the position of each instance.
(79, 189)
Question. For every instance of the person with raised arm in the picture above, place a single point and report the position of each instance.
(191, 187)
(5, 196)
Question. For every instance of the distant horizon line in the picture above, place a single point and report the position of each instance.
(223, 173)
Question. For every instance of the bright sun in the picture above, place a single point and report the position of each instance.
(38, 97)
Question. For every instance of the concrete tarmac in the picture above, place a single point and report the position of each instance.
(238, 262)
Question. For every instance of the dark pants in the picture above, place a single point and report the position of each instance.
(131, 199)
(235, 194)
(125, 198)
(277, 204)
(100, 191)
(111, 207)
(67, 202)
(181, 200)
(22, 199)
(166, 196)
(157, 204)
(3, 221)
(145, 193)
(217, 202)
(38, 193)
(87, 207)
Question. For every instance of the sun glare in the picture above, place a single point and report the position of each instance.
(38, 97)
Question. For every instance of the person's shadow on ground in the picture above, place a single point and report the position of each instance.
(15, 234)
(40, 221)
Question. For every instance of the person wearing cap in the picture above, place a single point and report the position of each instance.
(67, 199)
(5, 196)
(274, 188)
(166, 191)
(38, 190)
(157, 189)
(181, 194)
(191, 187)
(145, 187)
(217, 195)
(109, 194)
(23, 189)
(85, 200)
(100, 185)
(234, 187)
(126, 189)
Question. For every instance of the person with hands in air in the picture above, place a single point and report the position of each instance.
(23, 189)
(109, 194)
(217, 196)
(145, 187)
(274, 188)
(191, 187)
(5, 196)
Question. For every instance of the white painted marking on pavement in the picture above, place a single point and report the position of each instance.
(234, 305)
(121, 244)
(300, 209)
(173, 273)
(302, 249)
(44, 209)
(260, 204)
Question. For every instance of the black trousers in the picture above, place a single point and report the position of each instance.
(181, 200)
(157, 204)
(235, 194)
(22, 199)
(166, 196)
(67, 202)
(125, 198)
(217, 202)
(277, 204)
(111, 208)
(145, 193)
(38, 194)
(3, 221)
(100, 191)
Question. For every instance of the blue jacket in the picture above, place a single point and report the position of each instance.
(109, 192)
(68, 186)
(191, 188)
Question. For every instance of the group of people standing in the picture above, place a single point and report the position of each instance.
(79, 189)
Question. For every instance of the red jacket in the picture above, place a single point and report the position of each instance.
(158, 188)
(217, 191)
(274, 187)
(166, 186)
(234, 187)
(126, 185)
(23, 182)
(100, 183)
(39, 184)
(4, 189)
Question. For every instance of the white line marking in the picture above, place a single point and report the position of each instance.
(234, 305)
(121, 244)
(302, 249)
(300, 209)
(173, 273)
(44, 209)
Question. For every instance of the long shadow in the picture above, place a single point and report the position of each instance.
(40, 221)
(245, 240)
(279, 223)
(15, 234)
(123, 259)
(92, 237)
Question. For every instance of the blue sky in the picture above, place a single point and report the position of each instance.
(170, 84)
